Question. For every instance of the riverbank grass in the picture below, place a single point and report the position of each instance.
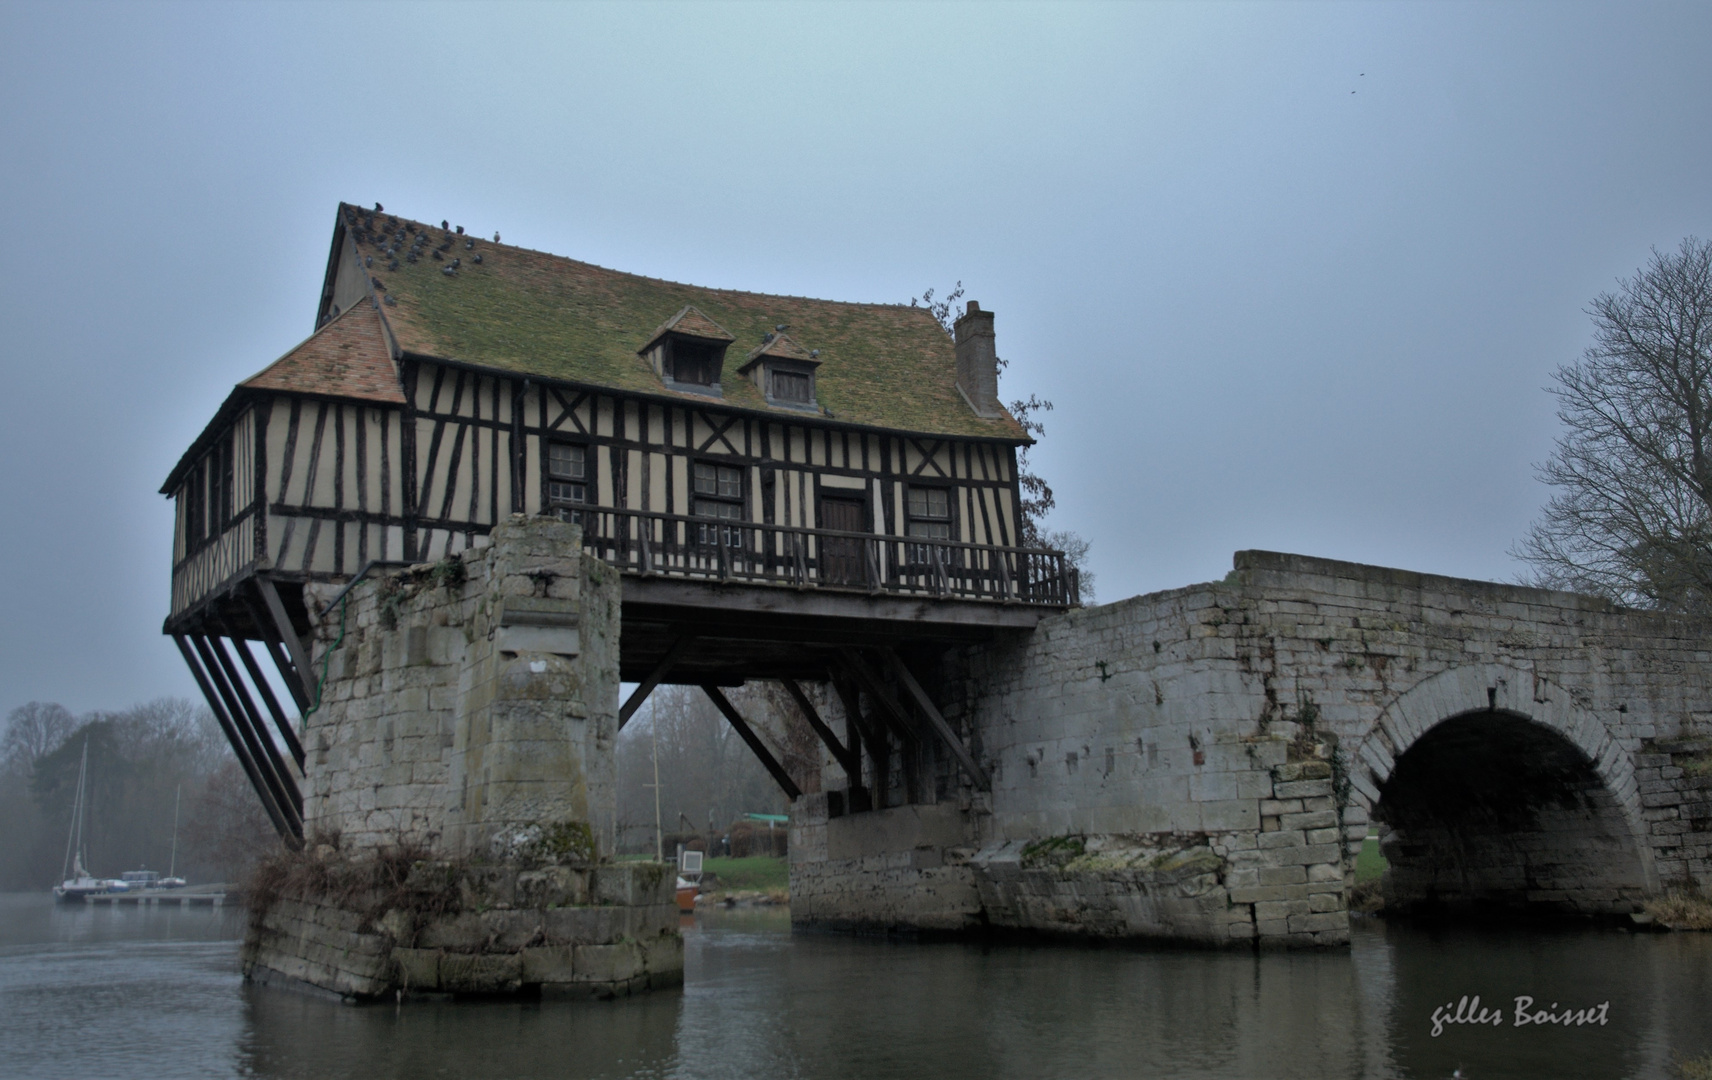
(758, 873)
(1696, 1068)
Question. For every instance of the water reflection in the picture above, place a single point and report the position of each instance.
(105, 991)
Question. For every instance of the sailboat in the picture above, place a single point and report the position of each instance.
(78, 882)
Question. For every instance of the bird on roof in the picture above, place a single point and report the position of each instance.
(443, 225)
(476, 258)
(448, 271)
(457, 263)
(393, 265)
(782, 327)
(460, 230)
(812, 353)
(468, 244)
(496, 238)
(378, 208)
(368, 260)
(436, 254)
(389, 301)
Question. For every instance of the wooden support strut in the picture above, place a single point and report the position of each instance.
(646, 686)
(291, 741)
(748, 735)
(280, 720)
(262, 750)
(239, 748)
(897, 718)
(288, 634)
(934, 718)
(847, 759)
(276, 653)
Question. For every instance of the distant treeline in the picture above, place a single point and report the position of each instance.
(708, 777)
(141, 760)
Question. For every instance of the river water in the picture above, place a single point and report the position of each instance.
(106, 992)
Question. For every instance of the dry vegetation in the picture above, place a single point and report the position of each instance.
(401, 877)
(1682, 909)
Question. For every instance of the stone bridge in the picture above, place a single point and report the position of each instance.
(1206, 763)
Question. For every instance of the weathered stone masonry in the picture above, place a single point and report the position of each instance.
(468, 714)
(1204, 763)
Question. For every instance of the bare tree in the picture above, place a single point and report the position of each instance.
(33, 732)
(1632, 517)
(1037, 497)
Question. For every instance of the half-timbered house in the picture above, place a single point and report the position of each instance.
(706, 438)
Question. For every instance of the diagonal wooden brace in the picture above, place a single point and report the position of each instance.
(646, 686)
(723, 704)
(288, 634)
(848, 760)
(928, 709)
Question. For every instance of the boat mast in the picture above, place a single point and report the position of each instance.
(74, 836)
(172, 867)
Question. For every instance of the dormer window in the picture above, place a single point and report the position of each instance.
(687, 351)
(694, 363)
(795, 387)
(784, 372)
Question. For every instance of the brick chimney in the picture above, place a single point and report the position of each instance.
(978, 361)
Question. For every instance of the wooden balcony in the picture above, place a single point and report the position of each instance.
(661, 545)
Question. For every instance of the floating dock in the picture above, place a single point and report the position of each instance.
(195, 896)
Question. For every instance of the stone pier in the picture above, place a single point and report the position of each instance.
(459, 787)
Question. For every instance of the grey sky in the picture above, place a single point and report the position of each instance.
(1272, 312)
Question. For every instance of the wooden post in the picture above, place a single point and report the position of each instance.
(748, 735)
(281, 662)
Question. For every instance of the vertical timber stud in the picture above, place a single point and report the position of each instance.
(239, 749)
(723, 704)
(937, 721)
(288, 634)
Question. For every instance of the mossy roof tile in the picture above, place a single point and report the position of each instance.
(887, 365)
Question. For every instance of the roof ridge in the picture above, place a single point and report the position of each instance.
(647, 277)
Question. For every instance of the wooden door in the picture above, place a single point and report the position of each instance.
(841, 557)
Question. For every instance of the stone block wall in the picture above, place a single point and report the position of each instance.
(593, 931)
(467, 700)
(1247, 730)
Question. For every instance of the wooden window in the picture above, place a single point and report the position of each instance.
(718, 494)
(567, 479)
(796, 387)
(695, 363)
(930, 513)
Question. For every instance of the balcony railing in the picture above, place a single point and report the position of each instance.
(672, 545)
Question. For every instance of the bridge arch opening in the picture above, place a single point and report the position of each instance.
(1490, 813)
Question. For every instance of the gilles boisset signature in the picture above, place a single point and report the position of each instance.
(1469, 1011)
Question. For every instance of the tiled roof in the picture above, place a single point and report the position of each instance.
(348, 357)
(692, 323)
(781, 347)
(889, 365)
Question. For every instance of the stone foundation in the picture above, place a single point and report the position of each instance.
(600, 932)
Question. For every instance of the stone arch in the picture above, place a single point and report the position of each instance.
(1541, 728)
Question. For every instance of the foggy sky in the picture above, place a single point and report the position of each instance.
(1294, 275)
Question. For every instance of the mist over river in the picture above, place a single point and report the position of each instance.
(105, 992)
